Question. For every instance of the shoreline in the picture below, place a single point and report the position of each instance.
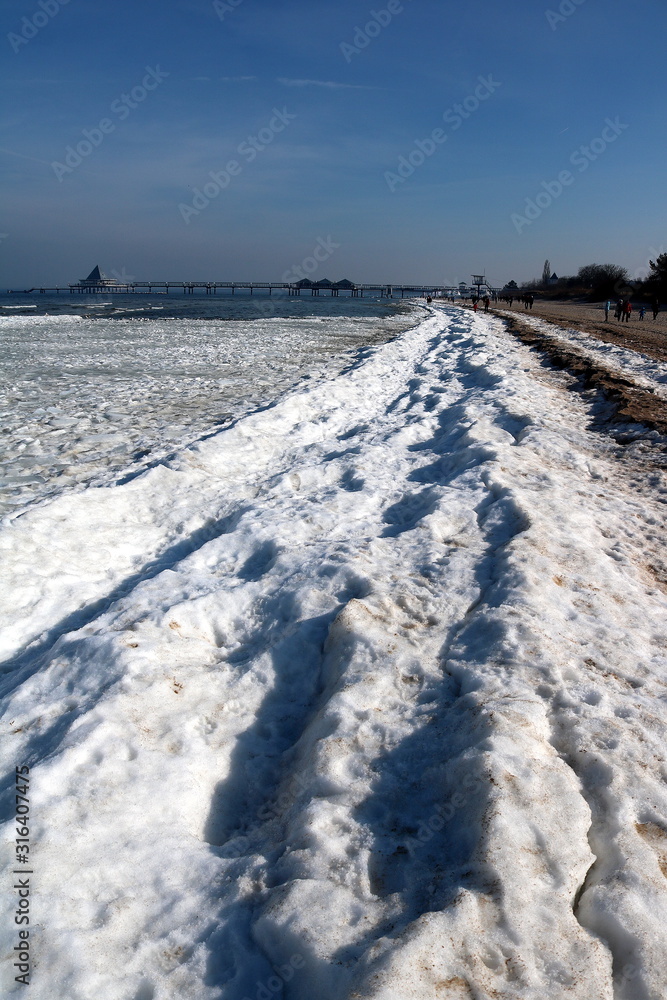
(633, 402)
(647, 336)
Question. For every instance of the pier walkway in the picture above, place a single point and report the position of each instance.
(249, 287)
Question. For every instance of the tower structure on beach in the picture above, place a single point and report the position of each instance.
(479, 280)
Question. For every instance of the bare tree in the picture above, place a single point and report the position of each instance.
(546, 273)
(604, 280)
(601, 274)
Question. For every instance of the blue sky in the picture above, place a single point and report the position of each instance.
(118, 113)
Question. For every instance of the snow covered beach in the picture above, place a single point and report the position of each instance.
(361, 696)
(89, 389)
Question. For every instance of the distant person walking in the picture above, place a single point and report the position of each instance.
(487, 303)
(474, 305)
(620, 305)
(627, 311)
(642, 312)
(607, 307)
(656, 308)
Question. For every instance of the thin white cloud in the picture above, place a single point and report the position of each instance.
(224, 79)
(22, 156)
(30, 82)
(330, 84)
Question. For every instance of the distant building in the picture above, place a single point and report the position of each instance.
(96, 281)
(344, 284)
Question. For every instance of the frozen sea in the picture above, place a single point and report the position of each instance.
(360, 694)
(92, 385)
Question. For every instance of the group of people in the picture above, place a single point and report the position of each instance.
(486, 300)
(622, 313)
(623, 310)
(528, 300)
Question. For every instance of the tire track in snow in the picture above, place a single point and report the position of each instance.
(508, 964)
(388, 871)
(635, 973)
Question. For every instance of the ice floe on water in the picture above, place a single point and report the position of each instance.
(361, 697)
(82, 398)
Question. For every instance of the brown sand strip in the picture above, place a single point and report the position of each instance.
(633, 402)
(647, 336)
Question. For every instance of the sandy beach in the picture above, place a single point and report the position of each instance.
(648, 336)
(552, 328)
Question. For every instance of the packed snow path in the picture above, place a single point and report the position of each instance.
(363, 697)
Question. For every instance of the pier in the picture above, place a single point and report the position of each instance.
(245, 287)
(98, 283)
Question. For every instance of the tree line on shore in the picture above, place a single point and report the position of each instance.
(602, 281)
